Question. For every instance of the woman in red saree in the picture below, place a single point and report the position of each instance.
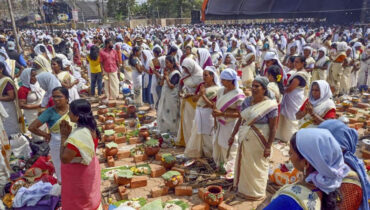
(80, 166)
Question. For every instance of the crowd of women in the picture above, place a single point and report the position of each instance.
(225, 92)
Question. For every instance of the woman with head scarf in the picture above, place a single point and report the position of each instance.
(355, 187)
(317, 154)
(14, 123)
(137, 69)
(204, 58)
(65, 77)
(310, 62)
(42, 60)
(216, 54)
(335, 70)
(169, 103)
(47, 82)
(193, 77)
(228, 61)
(226, 112)
(318, 107)
(319, 71)
(293, 99)
(146, 59)
(30, 95)
(248, 66)
(256, 128)
(200, 142)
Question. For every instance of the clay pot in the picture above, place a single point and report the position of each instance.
(173, 183)
(102, 111)
(213, 195)
(111, 151)
(110, 117)
(109, 138)
(151, 151)
(109, 126)
(144, 133)
(132, 123)
(168, 165)
(131, 110)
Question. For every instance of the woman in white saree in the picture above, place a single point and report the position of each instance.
(194, 76)
(320, 69)
(200, 142)
(258, 120)
(226, 112)
(168, 108)
(248, 66)
(292, 101)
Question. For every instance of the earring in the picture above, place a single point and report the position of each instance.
(304, 171)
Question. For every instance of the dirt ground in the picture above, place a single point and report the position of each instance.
(110, 189)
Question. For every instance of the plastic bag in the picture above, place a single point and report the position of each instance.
(20, 146)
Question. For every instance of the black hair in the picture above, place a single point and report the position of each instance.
(106, 42)
(58, 61)
(274, 71)
(131, 58)
(292, 58)
(42, 49)
(94, 52)
(157, 51)
(329, 201)
(302, 59)
(172, 50)
(293, 143)
(82, 109)
(63, 90)
(172, 60)
(3, 70)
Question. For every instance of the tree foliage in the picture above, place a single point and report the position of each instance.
(153, 8)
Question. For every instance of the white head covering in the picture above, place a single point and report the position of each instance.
(323, 49)
(66, 63)
(195, 71)
(322, 151)
(342, 46)
(251, 48)
(308, 48)
(48, 82)
(26, 78)
(325, 92)
(38, 51)
(203, 56)
(230, 74)
(216, 79)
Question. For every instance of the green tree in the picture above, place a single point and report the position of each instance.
(120, 9)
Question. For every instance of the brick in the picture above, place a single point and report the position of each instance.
(110, 161)
(203, 206)
(111, 104)
(134, 140)
(123, 154)
(158, 157)
(159, 191)
(201, 192)
(224, 206)
(180, 170)
(140, 158)
(120, 140)
(352, 120)
(362, 105)
(123, 192)
(101, 118)
(157, 170)
(120, 129)
(352, 110)
(352, 125)
(120, 180)
(183, 191)
(138, 181)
